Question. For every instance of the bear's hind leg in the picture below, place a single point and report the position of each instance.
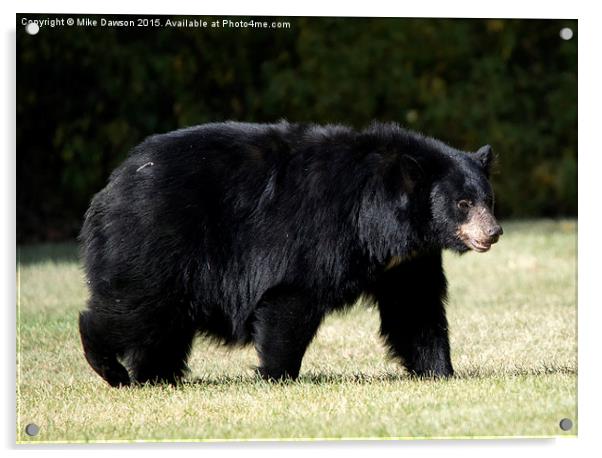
(284, 325)
(411, 300)
(100, 348)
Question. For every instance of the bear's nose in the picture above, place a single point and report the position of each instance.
(495, 231)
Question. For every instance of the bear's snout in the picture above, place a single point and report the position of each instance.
(481, 229)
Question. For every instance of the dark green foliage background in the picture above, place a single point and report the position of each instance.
(85, 96)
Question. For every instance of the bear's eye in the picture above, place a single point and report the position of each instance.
(464, 204)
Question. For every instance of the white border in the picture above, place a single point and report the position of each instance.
(590, 75)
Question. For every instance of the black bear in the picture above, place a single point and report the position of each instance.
(252, 233)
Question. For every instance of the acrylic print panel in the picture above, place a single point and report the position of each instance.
(325, 199)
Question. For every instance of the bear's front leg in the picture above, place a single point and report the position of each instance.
(285, 322)
(411, 300)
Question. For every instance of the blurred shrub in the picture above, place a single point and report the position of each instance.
(86, 96)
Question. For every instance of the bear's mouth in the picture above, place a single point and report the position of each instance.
(478, 246)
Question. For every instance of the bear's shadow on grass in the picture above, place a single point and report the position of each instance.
(313, 379)
(367, 379)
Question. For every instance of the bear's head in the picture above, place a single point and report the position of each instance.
(462, 203)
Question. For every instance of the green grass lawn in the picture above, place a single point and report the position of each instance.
(512, 315)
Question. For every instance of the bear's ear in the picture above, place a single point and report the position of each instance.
(484, 156)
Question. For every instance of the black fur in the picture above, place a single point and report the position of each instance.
(252, 233)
